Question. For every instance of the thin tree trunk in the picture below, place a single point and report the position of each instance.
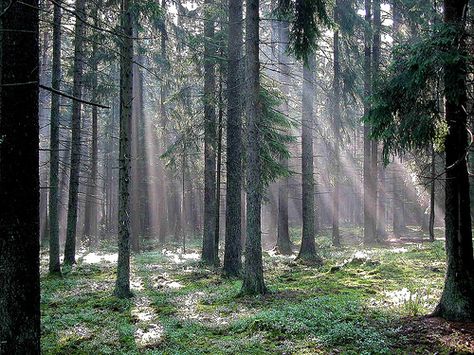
(122, 285)
(253, 282)
(70, 246)
(19, 179)
(369, 194)
(54, 262)
(218, 169)
(208, 245)
(377, 198)
(233, 235)
(90, 223)
(432, 194)
(283, 234)
(336, 238)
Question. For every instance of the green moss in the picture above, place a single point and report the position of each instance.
(341, 306)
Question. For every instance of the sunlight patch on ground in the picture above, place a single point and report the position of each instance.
(178, 257)
(398, 250)
(96, 258)
(148, 329)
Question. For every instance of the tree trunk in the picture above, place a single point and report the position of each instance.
(208, 252)
(457, 300)
(122, 285)
(54, 263)
(308, 247)
(432, 194)
(378, 202)
(253, 282)
(218, 169)
(336, 238)
(70, 246)
(369, 193)
(233, 235)
(283, 234)
(19, 179)
(90, 223)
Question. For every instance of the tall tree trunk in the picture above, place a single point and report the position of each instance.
(54, 262)
(233, 235)
(336, 238)
(457, 300)
(136, 230)
(164, 205)
(19, 179)
(283, 234)
(208, 253)
(122, 285)
(70, 246)
(369, 193)
(90, 223)
(308, 247)
(378, 203)
(253, 282)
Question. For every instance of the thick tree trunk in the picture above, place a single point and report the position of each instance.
(79, 30)
(219, 168)
(457, 300)
(253, 282)
(54, 263)
(283, 234)
(308, 246)
(233, 235)
(208, 252)
(19, 179)
(122, 285)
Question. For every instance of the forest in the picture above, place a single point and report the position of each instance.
(236, 177)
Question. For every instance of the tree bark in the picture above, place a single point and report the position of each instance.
(208, 252)
(370, 196)
(79, 30)
(90, 223)
(253, 282)
(54, 262)
(19, 179)
(336, 124)
(233, 235)
(308, 246)
(122, 285)
(283, 234)
(457, 300)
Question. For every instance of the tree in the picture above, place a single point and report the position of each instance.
(208, 248)
(457, 300)
(406, 117)
(54, 262)
(79, 33)
(19, 179)
(122, 285)
(370, 193)
(336, 113)
(90, 221)
(283, 234)
(308, 247)
(253, 282)
(232, 252)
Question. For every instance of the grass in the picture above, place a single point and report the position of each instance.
(356, 303)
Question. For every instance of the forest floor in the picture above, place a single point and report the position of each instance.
(361, 301)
